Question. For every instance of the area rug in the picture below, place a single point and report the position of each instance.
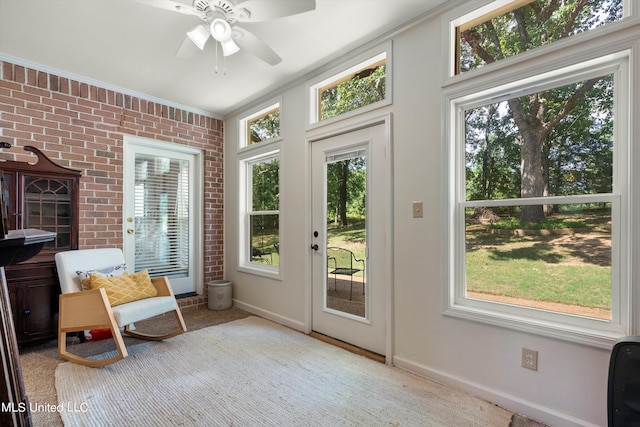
(252, 372)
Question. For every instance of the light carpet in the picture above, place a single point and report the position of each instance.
(252, 372)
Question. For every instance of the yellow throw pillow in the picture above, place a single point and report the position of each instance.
(125, 288)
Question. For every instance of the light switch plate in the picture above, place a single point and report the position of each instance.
(417, 209)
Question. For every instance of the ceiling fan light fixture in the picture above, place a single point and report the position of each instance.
(229, 47)
(199, 36)
(220, 30)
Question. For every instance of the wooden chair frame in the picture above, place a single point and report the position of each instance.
(90, 309)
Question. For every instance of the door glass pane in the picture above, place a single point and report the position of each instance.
(162, 215)
(345, 284)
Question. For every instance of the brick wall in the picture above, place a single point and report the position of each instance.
(81, 126)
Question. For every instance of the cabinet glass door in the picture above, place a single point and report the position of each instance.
(47, 206)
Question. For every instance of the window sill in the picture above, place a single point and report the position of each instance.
(270, 273)
(585, 335)
(260, 147)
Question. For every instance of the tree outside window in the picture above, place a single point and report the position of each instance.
(501, 34)
(264, 218)
(557, 252)
(360, 89)
(260, 126)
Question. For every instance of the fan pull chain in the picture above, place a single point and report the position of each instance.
(224, 63)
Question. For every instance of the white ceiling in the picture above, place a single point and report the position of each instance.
(126, 44)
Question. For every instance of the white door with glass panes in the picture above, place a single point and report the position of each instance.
(350, 212)
(162, 211)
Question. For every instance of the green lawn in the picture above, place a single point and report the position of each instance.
(559, 268)
(537, 279)
(351, 237)
(567, 267)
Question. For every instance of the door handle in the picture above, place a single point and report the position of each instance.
(130, 230)
(315, 247)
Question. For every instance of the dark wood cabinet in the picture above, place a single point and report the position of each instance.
(44, 196)
(33, 291)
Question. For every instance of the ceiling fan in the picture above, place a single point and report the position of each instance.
(220, 21)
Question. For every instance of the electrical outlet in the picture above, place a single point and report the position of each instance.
(530, 359)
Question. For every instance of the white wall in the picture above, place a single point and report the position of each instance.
(282, 300)
(570, 385)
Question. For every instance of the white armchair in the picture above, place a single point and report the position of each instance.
(90, 309)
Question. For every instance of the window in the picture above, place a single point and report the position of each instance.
(540, 215)
(355, 88)
(261, 126)
(161, 207)
(260, 234)
(504, 29)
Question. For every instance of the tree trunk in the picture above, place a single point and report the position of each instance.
(532, 177)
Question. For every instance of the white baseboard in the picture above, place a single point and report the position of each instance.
(511, 403)
(293, 324)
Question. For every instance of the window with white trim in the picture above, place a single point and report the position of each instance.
(260, 210)
(539, 214)
(359, 87)
(504, 28)
(260, 126)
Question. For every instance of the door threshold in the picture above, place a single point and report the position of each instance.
(349, 347)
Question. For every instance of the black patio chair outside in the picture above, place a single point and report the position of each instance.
(341, 261)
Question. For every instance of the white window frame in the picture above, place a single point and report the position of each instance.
(472, 10)
(553, 71)
(243, 123)
(357, 63)
(264, 152)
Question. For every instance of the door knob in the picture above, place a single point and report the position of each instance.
(130, 230)
(315, 247)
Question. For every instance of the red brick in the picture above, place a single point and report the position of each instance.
(83, 127)
(7, 71)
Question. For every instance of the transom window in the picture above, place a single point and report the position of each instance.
(362, 85)
(499, 31)
(261, 126)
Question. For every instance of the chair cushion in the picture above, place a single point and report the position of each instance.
(136, 311)
(125, 288)
(113, 271)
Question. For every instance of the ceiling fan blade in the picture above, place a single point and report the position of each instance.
(174, 6)
(261, 10)
(248, 41)
(187, 49)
